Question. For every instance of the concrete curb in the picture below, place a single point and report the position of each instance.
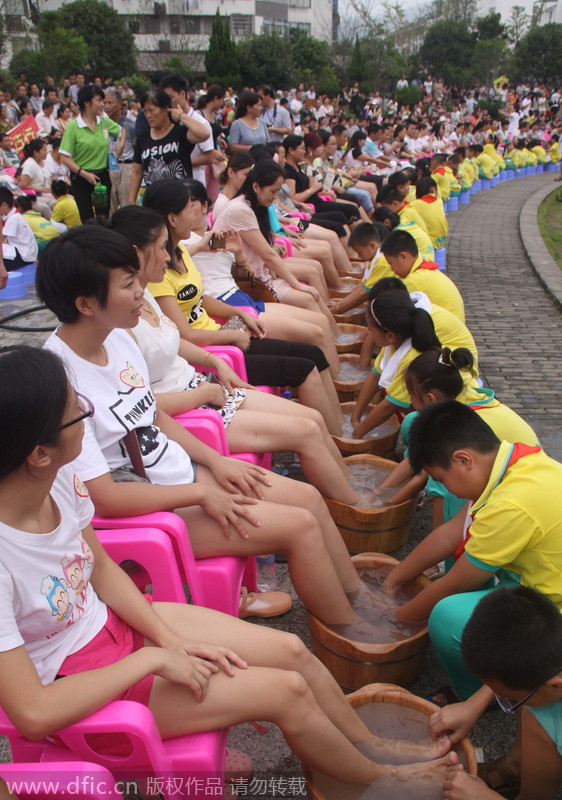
(547, 270)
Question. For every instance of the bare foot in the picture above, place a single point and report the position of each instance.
(459, 785)
(403, 751)
(424, 780)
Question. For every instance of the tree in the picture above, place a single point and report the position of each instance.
(221, 59)
(447, 50)
(490, 27)
(538, 54)
(358, 65)
(266, 58)
(309, 56)
(60, 51)
(111, 45)
(517, 25)
(488, 59)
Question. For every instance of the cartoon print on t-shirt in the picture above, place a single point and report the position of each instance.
(88, 555)
(55, 591)
(73, 568)
(131, 377)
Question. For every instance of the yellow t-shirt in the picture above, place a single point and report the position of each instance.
(443, 186)
(517, 524)
(430, 208)
(466, 173)
(454, 183)
(437, 286)
(554, 152)
(187, 288)
(474, 166)
(540, 153)
(425, 246)
(378, 268)
(517, 157)
(502, 419)
(450, 332)
(487, 165)
(411, 196)
(41, 227)
(66, 211)
(408, 214)
(491, 151)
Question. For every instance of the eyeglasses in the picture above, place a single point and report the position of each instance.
(85, 406)
(511, 706)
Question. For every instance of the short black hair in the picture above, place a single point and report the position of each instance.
(515, 636)
(424, 186)
(78, 264)
(175, 83)
(87, 93)
(364, 233)
(388, 284)
(6, 196)
(399, 242)
(398, 178)
(388, 195)
(441, 428)
(59, 187)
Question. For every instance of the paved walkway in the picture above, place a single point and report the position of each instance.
(516, 324)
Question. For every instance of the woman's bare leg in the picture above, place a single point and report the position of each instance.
(309, 271)
(268, 431)
(283, 684)
(306, 302)
(321, 251)
(287, 526)
(339, 252)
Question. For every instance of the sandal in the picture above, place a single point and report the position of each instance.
(263, 604)
(499, 777)
(237, 766)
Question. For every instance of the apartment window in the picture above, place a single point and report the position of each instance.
(164, 46)
(151, 24)
(241, 25)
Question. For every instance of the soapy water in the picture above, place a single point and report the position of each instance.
(376, 606)
(351, 311)
(366, 479)
(347, 338)
(348, 284)
(357, 269)
(384, 429)
(351, 372)
(389, 721)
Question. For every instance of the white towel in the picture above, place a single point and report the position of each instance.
(390, 363)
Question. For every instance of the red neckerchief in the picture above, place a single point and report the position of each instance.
(429, 198)
(520, 450)
(439, 170)
(428, 265)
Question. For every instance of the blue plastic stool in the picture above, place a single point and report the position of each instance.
(510, 173)
(464, 198)
(529, 171)
(486, 183)
(495, 180)
(478, 184)
(15, 288)
(440, 258)
(473, 189)
(28, 273)
(503, 176)
(520, 172)
(453, 204)
(550, 167)
(445, 205)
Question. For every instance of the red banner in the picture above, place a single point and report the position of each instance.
(23, 133)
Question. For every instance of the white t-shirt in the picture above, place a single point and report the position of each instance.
(39, 176)
(201, 148)
(48, 603)
(215, 269)
(20, 236)
(168, 372)
(295, 107)
(56, 171)
(123, 400)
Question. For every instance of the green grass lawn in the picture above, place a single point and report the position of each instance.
(549, 218)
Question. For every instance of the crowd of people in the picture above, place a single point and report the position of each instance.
(185, 219)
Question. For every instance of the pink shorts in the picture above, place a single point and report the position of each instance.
(115, 641)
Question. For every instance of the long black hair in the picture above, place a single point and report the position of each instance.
(167, 197)
(395, 312)
(264, 173)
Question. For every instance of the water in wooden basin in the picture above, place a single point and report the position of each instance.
(392, 713)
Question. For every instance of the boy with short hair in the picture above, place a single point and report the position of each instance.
(439, 175)
(430, 207)
(513, 642)
(513, 530)
(401, 252)
(65, 211)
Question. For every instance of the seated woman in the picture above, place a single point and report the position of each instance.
(68, 648)
(88, 278)
(173, 202)
(254, 421)
(345, 182)
(215, 267)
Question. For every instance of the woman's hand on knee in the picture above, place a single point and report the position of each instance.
(237, 476)
(218, 657)
(229, 509)
(190, 671)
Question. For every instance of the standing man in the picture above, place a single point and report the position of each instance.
(85, 149)
(295, 107)
(276, 117)
(75, 88)
(120, 177)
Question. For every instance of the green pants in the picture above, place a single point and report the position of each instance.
(446, 624)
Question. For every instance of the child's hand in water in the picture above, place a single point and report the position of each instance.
(456, 720)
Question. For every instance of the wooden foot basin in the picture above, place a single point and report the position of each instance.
(381, 529)
(354, 664)
(351, 345)
(349, 386)
(355, 316)
(349, 284)
(399, 704)
(381, 445)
